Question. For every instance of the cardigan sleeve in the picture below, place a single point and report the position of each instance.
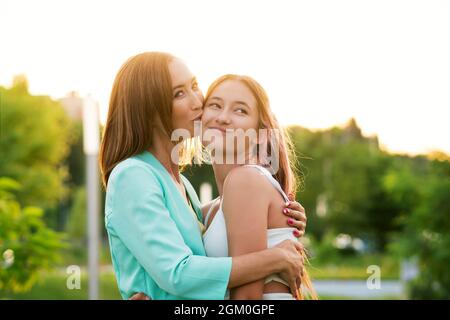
(139, 217)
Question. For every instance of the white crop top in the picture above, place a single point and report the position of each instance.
(215, 237)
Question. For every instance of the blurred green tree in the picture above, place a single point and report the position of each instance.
(34, 140)
(27, 245)
(343, 192)
(425, 193)
(76, 226)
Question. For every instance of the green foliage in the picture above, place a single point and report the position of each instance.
(394, 202)
(342, 189)
(323, 252)
(76, 229)
(26, 244)
(426, 235)
(52, 286)
(76, 226)
(34, 140)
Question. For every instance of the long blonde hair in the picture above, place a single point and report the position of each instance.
(286, 174)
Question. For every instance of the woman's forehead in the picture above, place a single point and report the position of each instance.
(179, 72)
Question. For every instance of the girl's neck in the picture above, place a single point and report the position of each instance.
(220, 173)
(162, 150)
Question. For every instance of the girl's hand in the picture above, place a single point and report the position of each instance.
(297, 216)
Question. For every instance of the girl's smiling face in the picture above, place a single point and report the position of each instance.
(230, 106)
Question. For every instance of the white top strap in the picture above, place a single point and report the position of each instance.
(208, 215)
(272, 180)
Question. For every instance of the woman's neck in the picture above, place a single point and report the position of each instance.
(162, 150)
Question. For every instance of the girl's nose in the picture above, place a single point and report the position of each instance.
(223, 118)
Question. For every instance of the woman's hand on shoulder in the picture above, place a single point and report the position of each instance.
(297, 216)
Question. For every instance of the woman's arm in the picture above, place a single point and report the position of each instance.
(284, 259)
(139, 218)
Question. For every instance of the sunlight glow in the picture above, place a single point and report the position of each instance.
(385, 63)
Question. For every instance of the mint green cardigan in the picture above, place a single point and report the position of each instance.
(155, 242)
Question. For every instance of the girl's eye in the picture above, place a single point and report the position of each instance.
(241, 110)
(178, 94)
(214, 106)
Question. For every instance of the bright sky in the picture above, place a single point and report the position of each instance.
(386, 63)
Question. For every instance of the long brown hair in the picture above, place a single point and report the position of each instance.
(286, 174)
(141, 93)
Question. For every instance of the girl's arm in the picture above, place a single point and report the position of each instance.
(246, 199)
(294, 211)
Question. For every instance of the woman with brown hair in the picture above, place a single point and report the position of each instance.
(152, 214)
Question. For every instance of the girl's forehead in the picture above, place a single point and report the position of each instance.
(233, 90)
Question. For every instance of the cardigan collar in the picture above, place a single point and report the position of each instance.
(148, 157)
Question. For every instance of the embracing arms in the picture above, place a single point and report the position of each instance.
(139, 217)
(246, 201)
